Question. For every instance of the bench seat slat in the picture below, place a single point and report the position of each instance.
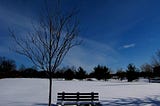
(78, 99)
(76, 96)
(76, 93)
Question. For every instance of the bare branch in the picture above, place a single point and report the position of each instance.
(50, 40)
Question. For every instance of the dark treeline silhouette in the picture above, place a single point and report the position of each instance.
(8, 70)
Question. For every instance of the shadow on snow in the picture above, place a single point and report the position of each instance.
(155, 101)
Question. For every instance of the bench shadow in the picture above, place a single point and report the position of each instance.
(155, 101)
(44, 104)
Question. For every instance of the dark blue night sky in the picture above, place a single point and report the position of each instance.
(115, 32)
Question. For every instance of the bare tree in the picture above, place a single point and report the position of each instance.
(147, 71)
(156, 59)
(49, 42)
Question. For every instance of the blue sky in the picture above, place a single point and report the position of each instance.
(114, 32)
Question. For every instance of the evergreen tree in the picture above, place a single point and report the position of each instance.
(80, 74)
(69, 74)
(101, 72)
(132, 73)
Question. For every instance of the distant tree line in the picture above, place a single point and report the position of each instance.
(8, 70)
(146, 70)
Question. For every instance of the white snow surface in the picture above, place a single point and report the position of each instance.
(34, 92)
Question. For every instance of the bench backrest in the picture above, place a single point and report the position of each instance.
(77, 96)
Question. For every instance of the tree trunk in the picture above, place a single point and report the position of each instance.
(50, 90)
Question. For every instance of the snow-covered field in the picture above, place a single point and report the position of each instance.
(34, 92)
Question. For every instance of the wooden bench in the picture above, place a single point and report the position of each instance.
(77, 99)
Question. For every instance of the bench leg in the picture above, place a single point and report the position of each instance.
(95, 104)
(60, 104)
(78, 104)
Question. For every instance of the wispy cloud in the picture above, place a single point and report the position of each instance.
(129, 46)
(90, 54)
